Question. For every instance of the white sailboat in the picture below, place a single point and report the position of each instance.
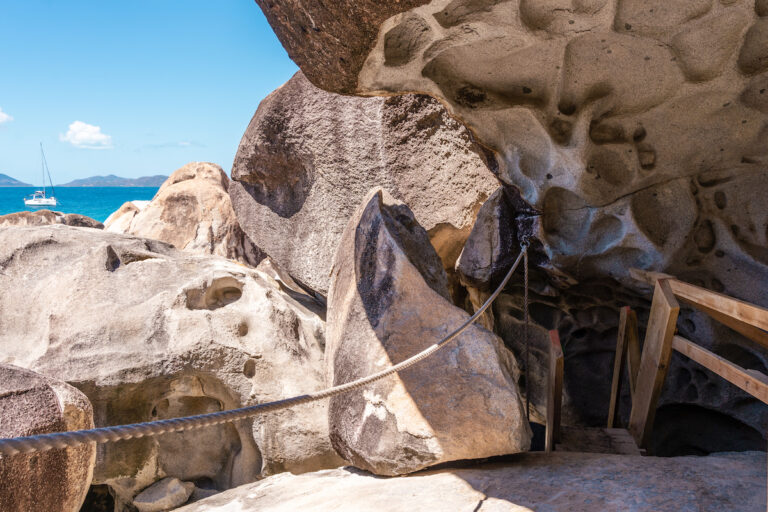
(39, 198)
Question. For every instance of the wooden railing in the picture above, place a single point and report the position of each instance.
(647, 378)
(554, 392)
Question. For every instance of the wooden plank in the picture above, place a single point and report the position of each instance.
(618, 360)
(714, 302)
(747, 330)
(647, 276)
(654, 361)
(751, 381)
(742, 311)
(555, 392)
(598, 440)
(633, 352)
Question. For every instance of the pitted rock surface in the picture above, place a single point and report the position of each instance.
(55, 480)
(309, 157)
(148, 332)
(330, 39)
(639, 132)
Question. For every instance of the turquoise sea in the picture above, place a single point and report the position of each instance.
(95, 202)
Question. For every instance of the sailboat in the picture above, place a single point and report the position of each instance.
(39, 198)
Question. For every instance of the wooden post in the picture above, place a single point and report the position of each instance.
(633, 352)
(654, 361)
(618, 359)
(555, 392)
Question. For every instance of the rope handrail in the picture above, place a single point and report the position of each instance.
(60, 440)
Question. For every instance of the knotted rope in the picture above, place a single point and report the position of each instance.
(61, 440)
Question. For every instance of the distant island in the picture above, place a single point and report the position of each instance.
(95, 181)
(7, 181)
(116, 181)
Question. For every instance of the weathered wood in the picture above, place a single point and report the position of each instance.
(654, 361)
(737, 309)
(598, 440)
(732, 312)
(633, 351)
(618, 360)
(555, 392)
(648, 276)
(745, 329)
(751, 381)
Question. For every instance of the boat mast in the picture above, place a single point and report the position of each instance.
(42, 164)
(46, 171)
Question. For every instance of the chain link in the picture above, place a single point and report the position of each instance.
(59, 440)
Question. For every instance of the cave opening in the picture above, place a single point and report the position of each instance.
(686, 429)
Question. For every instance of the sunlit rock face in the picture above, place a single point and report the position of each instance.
(388, 301)
(309, 157)
(193, 212)
(637, 132)
(148, 332)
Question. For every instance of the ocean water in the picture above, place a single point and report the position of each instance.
(95, 202)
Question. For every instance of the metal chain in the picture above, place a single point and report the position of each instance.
(61, 440)
(526, 339)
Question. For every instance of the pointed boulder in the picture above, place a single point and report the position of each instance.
(388, 301)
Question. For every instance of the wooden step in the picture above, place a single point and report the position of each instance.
(597, 440)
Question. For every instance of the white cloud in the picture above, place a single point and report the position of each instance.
(84, 135)
(4, 118)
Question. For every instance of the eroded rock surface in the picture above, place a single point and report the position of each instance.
(148, 332)
(309, 157)
(191, 211)
(45, 217)
(558, 482)
(388, 301)
(55, 480)
(330, 39)
(639, 132)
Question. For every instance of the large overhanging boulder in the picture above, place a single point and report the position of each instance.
(388, 301)
(191, 211)
(638, 130)
(330, 39)
(309, 157)
(55, 480)
(148, 332)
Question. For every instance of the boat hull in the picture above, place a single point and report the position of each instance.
(48, 201)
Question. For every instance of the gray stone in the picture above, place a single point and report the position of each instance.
(165, 494)
(149, 332)
(330, 40)
(554, 482)
(191, 211)
(54, 480)
(309, 157)
(388, 301)
(753, 57)
(45, 217)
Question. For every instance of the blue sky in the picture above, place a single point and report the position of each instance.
(130, 88)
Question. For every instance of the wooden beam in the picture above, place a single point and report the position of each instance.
(648, 276)
(555, 392)
(740, 310)
(633, 352)
(618, 359)
(654, 361)
(748, 330)
(715, 303)
(751, 381)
